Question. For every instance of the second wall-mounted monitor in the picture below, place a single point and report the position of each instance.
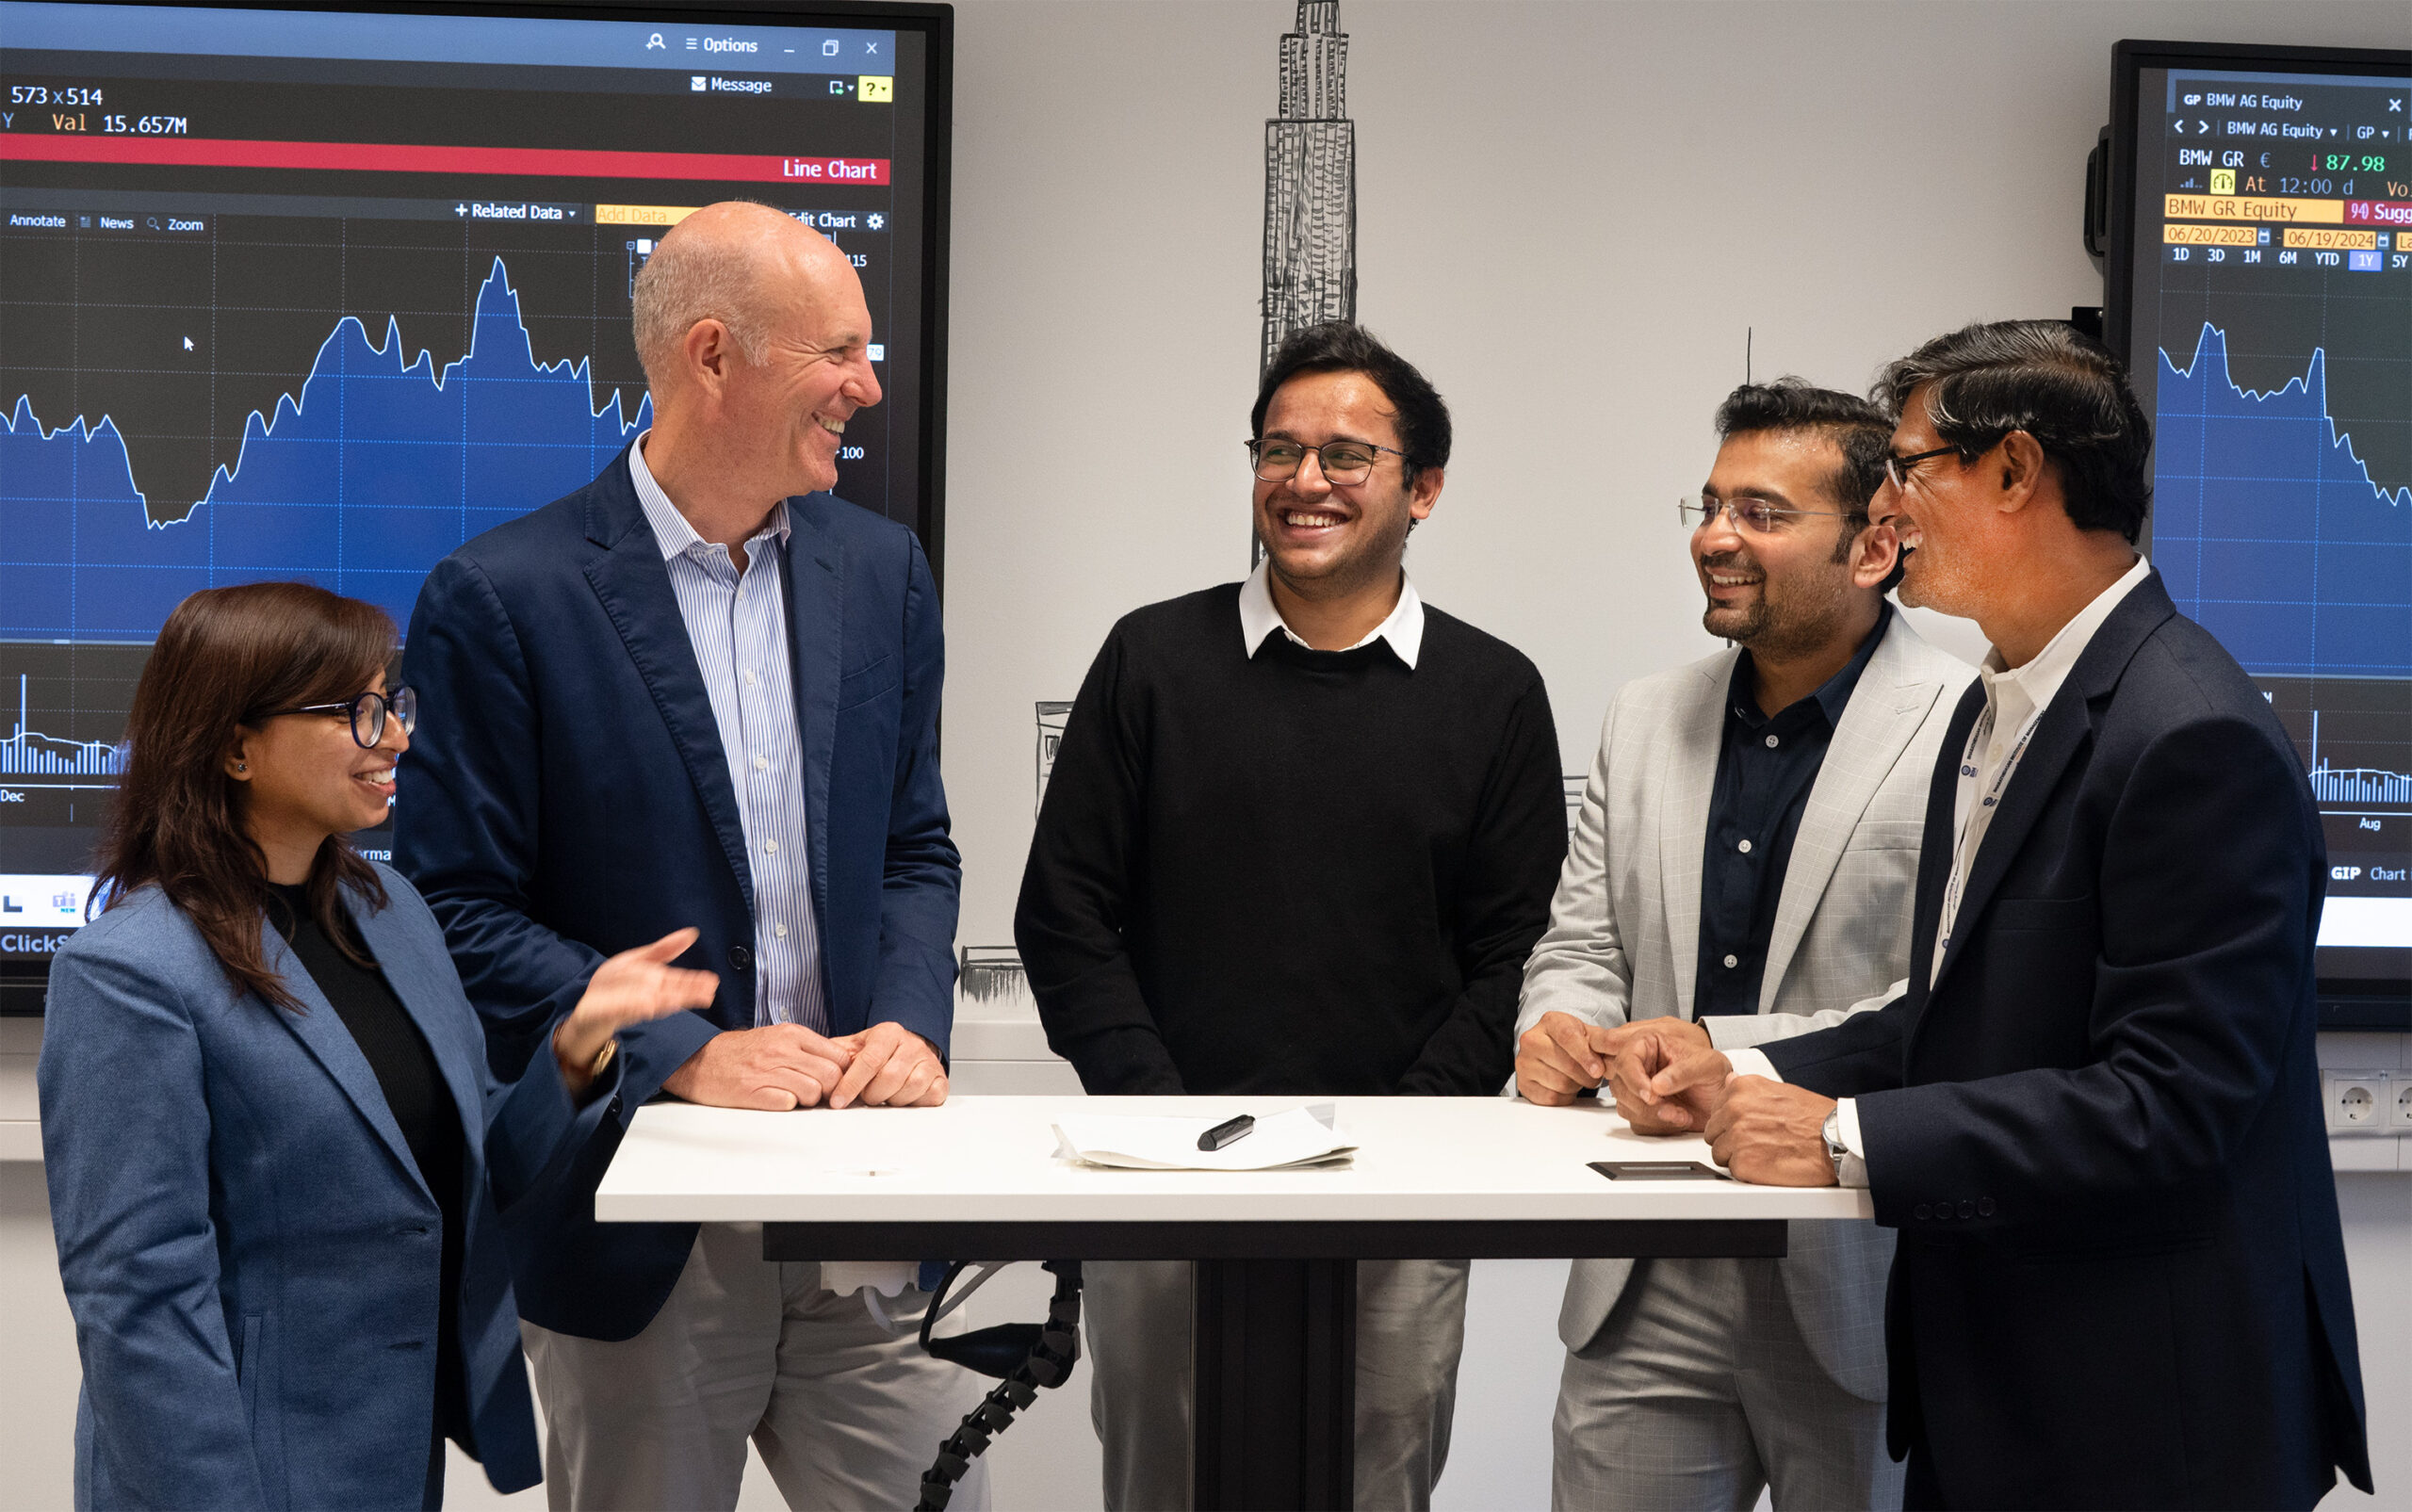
(2259, 283)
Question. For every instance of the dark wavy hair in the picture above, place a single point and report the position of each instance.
(1338, 347)
(1860, 432)
(2046, 378)
(229, 657)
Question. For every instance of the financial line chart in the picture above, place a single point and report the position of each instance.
(2270, 530)
(363, 477)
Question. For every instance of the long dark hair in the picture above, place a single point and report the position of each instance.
(232, 656)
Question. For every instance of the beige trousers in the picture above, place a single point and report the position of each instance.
(847, 1414)
(1410, 1330)
(1697, 1392)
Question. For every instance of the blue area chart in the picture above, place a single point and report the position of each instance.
(28, 753)
(2270, 532)
(361, 483)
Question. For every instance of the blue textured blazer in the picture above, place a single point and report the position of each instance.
(251, 1254)
(2121, 1277)
(567, 797)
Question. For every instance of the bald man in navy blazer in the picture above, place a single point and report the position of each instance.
(704, 689)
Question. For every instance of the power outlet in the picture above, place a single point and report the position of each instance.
(2361, 1102)
(2399, 1113)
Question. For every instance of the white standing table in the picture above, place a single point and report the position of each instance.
(977, 1178)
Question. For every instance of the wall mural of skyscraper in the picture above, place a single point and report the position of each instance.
(1309, 277)
(1310, 183)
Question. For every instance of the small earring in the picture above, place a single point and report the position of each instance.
(242, 766)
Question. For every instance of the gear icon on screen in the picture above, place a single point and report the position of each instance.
(875, 221)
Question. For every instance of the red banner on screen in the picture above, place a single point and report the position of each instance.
(2379, 212)
(396, 157)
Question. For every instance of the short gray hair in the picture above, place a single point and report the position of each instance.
(694, 278)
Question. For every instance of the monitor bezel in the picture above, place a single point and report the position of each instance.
(22, 978)
(2128, 59)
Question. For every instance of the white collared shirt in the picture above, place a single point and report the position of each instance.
(1403, 629)
(738, 623)
(2016, 698)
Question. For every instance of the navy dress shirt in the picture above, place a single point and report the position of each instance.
(1766, 766)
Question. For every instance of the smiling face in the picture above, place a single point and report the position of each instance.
(1785, 589)
(1941, 518)
(792, 407)
(1325, 539)
(305, 778)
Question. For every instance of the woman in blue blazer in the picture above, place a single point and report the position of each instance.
(277, 1159)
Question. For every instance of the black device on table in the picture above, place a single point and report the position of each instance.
(1658, 1171)
(1228, 1132)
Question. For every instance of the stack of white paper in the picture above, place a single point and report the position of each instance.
(1302, 1136)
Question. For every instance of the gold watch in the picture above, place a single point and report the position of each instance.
(603, 1056)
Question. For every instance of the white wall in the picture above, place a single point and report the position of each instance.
(1569, 215)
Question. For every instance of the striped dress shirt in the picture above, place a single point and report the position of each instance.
(738, 625)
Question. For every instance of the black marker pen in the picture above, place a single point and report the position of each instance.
(1230, 1134)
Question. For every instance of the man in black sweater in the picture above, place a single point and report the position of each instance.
(1300, 835)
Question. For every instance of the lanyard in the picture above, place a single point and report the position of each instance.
(1962, 860)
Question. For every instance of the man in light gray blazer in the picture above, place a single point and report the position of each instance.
(1742, 872)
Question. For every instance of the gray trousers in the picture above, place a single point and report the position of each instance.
(1697, 1392)
(847, 1415)
(1410, 1330)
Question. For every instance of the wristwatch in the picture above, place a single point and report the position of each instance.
(612, 1048)
(1835, 1149)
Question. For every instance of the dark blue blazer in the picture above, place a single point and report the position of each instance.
(251, 1254)
(2121, 1277)
(566, 797)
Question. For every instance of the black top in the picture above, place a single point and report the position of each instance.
(421, 1104)
(1765, 768)
(1307, 872)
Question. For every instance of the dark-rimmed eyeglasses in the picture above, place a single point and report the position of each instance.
(368, 714)
(1755, 515)
(1899, 468)
(1344, 462)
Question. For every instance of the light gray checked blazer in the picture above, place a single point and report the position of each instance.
(1624, 939)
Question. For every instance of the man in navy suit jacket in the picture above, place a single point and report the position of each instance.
(703, 689)
(2093, 1109)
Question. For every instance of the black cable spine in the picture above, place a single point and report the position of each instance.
(1048, 1364)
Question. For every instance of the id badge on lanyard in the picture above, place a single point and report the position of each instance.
(1962, 860)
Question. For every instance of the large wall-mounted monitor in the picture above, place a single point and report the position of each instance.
(321, 292)
(2258, 282)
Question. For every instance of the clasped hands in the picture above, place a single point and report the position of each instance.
(1666, 1078)
(776, 1068)
(787, 1065)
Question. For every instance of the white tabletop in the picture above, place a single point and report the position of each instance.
(993, 1159)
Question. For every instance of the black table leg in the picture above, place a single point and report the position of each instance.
(1275, 1364)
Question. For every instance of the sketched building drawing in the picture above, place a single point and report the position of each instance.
(988, 978)
(1052, 714)
(1310, 183)
(991, 977)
